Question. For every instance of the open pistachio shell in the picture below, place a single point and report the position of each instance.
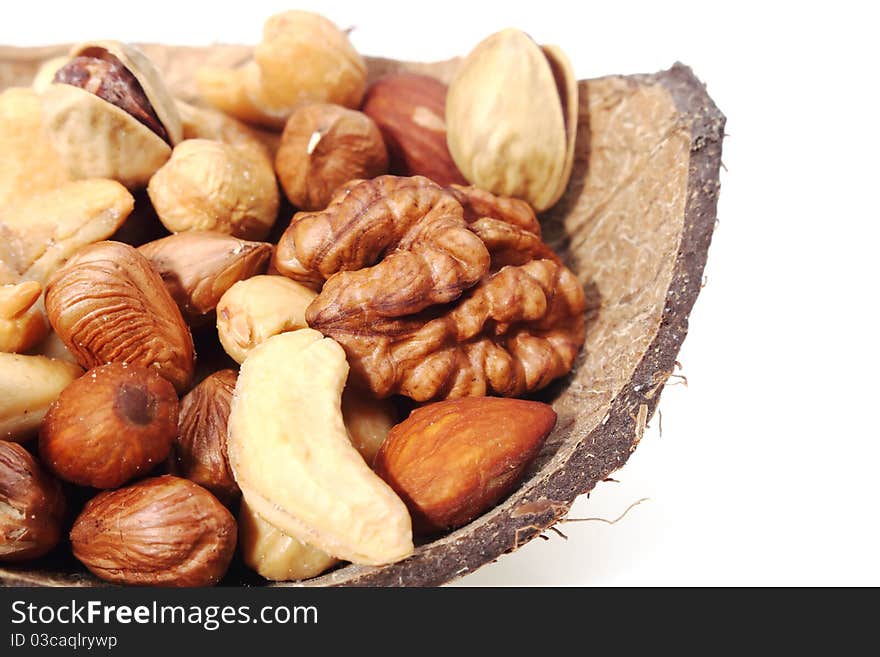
(97, 139)
(511, 117)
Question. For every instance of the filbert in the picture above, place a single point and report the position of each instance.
(324, 146)
(31, 506)
(163, 531)
(114, 423)
(211, 185)
(200, 448)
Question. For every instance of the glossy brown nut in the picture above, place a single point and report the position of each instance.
(452, 460)
(324, 146)
(200, 448)
(163, 531)
(109, 305)
(112, 424)
(410, 111)
(31, 506)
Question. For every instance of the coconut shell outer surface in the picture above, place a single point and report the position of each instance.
(634, 223)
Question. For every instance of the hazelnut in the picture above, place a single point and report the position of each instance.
(324, 146)
(210, 185)
(31, 506)
(200, 448)
(163, 531)
(410, 111)
(114, 423)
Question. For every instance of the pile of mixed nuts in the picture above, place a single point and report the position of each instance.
(413, 269)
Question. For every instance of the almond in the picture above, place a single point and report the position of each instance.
(108, 304)
(452, 460)
(410, 112)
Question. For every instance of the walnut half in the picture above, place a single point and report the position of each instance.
(416, 303)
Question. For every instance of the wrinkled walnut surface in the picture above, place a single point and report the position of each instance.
(396, 251)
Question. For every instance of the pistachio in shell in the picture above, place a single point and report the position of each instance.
(511, 118)
(109, 114)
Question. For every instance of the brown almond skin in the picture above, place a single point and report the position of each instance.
(200, 448)
(452, 460)
(108, 304)
(32, 506)
(198, 266)
(410, 111)
(163, 531)
(114, 423)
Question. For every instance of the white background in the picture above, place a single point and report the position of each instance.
(766, 471)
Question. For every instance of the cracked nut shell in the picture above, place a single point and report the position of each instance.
(109, 114)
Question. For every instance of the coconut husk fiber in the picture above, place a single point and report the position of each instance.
(634, 224)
